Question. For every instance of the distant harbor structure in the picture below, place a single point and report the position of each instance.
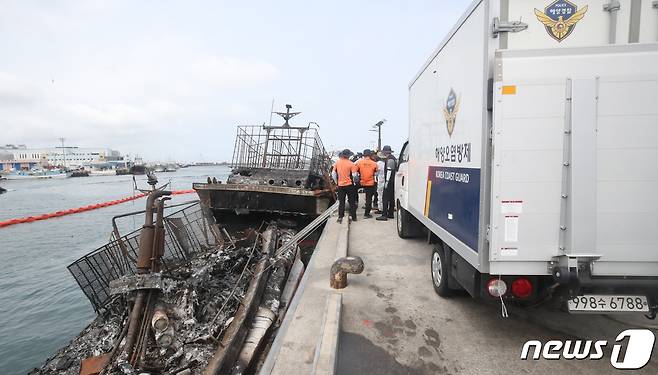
(21, 157)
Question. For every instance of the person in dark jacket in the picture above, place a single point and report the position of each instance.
(388, 196)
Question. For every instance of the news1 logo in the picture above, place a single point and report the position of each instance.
(638, 349)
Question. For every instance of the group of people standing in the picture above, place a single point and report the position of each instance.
(375, 174)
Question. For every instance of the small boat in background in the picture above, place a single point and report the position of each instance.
(79, 173)
(37, 174)
(2, 190)
(138, 169)
(103, 172)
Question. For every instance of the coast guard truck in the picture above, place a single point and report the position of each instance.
(532, 159)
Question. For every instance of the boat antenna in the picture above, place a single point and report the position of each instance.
(271, 111)
(287, 115)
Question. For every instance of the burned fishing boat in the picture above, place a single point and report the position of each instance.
(276, 170)
(202, 287)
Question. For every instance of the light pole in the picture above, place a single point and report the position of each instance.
(378, 128)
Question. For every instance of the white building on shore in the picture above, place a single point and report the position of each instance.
(21, 157)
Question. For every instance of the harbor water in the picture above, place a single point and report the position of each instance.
(41, 306)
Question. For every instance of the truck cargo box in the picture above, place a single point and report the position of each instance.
(533, 142)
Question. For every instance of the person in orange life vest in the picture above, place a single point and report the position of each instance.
(367, 168)
(345, 176)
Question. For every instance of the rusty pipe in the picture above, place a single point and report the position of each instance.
(133, 323)
(150, 201)
(158, 236)
(146, 240)
(147, 234)
(340, 269)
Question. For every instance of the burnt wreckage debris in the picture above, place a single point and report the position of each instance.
(193, 307)
(202, 289)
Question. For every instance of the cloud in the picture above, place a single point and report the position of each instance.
(123, 103)
(15, 92)
(233, 72)
(123, 114)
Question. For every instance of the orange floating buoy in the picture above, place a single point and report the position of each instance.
(89, 207)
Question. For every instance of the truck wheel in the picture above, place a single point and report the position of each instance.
(408, 226)
(440, 272)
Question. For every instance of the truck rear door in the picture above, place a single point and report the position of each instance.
(575, 159)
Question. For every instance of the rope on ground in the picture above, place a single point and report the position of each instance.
(71, 211)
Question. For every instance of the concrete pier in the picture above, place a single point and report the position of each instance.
(390, 321)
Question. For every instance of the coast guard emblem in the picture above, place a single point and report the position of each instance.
(560, 18)
(450, 111)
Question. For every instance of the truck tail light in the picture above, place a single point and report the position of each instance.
(521, 287)
(496, 288)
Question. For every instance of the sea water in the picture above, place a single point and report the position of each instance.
(41, 306)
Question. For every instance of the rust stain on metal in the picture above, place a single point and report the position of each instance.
(340, 269)
(93, 365)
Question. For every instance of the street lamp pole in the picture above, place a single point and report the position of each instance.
(378, 127)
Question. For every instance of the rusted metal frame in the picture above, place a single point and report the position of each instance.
(120, 238)
(190, 222)
(235, 144)
(101, 267)
(90, 297)
(117, 267)
(231, 344)
(177, 246)
(204, 230)
(197, 229)
(174, 248)
(125, 261)
(98, 278)
(209, 218)
(193, 238)
(299, 148)
(267, 141)
(184, 231)
(133, 267)
(197, 240)
(110, 270)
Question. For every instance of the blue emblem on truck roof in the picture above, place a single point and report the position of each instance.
(450, 111)
(560, 18)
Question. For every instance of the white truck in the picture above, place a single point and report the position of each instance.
(532, 158)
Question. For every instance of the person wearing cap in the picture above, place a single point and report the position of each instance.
(345, 176)
(367, 168)
(381, 167)
(388, 195)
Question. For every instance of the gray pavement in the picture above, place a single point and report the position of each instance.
(392, 322)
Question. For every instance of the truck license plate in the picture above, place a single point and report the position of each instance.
(607, 303)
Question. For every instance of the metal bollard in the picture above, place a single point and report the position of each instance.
(340, 269)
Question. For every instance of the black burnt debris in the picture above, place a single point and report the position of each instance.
(204, 288)
(199, 300)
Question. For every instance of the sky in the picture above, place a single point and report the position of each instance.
(170, 80)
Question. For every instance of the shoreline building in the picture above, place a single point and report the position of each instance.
(19, 157)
